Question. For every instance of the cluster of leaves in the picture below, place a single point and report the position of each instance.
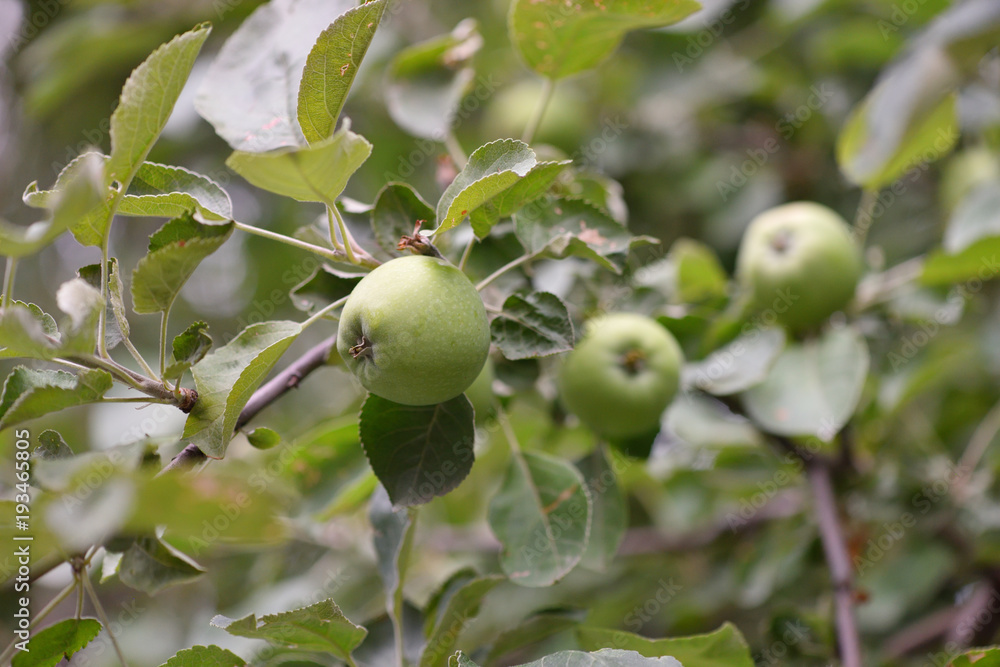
(746, 383)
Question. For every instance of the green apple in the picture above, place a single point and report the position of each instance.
(414, 331)
(622, 375)
(798, 264)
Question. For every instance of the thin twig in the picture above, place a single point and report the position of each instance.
(268, 393)
(548, 87)
(837, 559)
(980, 441)
(92, 594)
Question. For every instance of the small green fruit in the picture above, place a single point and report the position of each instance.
(622, 375)
(414, 331)
(798, 264)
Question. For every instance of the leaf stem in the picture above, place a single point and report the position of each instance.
(163, 340)
(455, 150)
(502, 270)
(548, 87)
(466, 253)
(102, 322)
(8, 281)
(333, 255)
(863, 218)
(331, 210)
(135, 355)
(323, 311)
(102, 615)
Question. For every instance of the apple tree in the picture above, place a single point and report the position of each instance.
(526, 332)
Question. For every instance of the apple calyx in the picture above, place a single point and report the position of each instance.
(633, 361)
(781, 241)
(364, 348)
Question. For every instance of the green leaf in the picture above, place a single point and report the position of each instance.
(397, 209)
(700, 275)
(251, 90)
(29, 393)
(976, 217)
(536, 324)
(51, 446)
(331, 67)
(162, 191)
(392, 539)
(318, 173)
(78, 197)
(227, 377)
(571, 227)
(147, 100)
(188, 348)
(910, 116)
(491, 170)
(175, 251)
(27, 331)
(813, 387)
(557, 38)
(425, 83)
(741, 364)
(418, 452)
(541, 515)
(455, 609)
(82, 305)
(535, 183)
(321, 289)
(263, 438)
(978, 261)
(873, 160)
(532, 630)
(320, 627)
(724, 647)
(116, 318)
(205, 656)
(57, 642)
(150, 565)
(979, 657)
(609, 516)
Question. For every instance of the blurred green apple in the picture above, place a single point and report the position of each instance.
(798, 264)
(622, 375)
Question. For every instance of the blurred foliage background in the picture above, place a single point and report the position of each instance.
(704, 124)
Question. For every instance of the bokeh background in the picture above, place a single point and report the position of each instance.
(713, 120)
